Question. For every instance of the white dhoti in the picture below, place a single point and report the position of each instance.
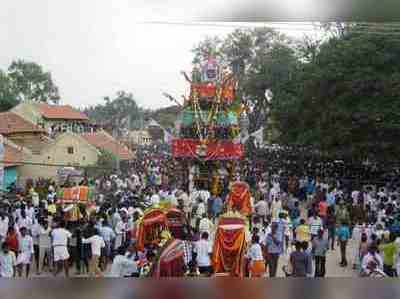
(118, 241)
(24, 258)
(60, 253)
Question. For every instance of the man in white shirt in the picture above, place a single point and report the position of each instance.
(203, 249)
(60, 238)
(205, 225)
(276, 207)
(256, 258)
(4, 221)
(261, 208)
(155, 199)
(120, 231)
(354, 196)
(8, 262)
(115, 218)
(372, 262)
(201, 209)
(187, 203)
(315, 223)
(35, 232)
(121, 264)
(24, 221)
(25, 252)
(96, 243)
(44, 247)
(108, 235)
(35, 200)
(30, 210)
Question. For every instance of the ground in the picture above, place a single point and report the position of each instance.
(332, 263)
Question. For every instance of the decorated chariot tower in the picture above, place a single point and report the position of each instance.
(208, 146)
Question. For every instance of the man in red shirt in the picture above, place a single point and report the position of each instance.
(323, 209)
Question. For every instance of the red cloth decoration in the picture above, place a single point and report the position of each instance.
(229, 248)
(239, 198)
(176, 221)
(204, 90)
(217, 150)
(152, 224)
(171, 261)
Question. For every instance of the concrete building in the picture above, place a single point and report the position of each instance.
(67, 149)
(104, 141)
(139, 137)
(53, 118)
(22, 132)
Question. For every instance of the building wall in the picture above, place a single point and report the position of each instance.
(65, 124)
(140, 137)
(57, 153)
(32, 141)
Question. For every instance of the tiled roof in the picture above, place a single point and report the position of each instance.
(102, 140)
(13, 123)
(60, 112)
(12, 154)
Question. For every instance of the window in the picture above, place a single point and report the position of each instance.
(83, 158)
(70, 150)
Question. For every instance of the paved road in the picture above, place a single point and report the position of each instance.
(332, 263)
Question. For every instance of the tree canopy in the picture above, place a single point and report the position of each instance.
(26, 81)
(344, 101)
(118, 112)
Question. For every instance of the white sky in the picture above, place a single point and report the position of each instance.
(95, 48)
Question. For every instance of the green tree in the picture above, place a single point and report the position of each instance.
(208, 46)
(118, 112)
(107, 160)
(345, 100)
(30, 82)
(8, 98)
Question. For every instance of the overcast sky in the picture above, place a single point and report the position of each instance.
(95, 48)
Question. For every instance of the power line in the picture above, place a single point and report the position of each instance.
(270, 25)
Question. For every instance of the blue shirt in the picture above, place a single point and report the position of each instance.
(281, 228)
(343, 233)
(107, 233)
(311, 187)
(330, 199)
(217, 205)
(273, 247)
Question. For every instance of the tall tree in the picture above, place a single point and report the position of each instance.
(8, 98)
(30, 82)
(209, 46)
(346, 99)
(119, 112)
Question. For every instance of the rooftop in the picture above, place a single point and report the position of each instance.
(102, 140)
(12, 123)
(60, 112)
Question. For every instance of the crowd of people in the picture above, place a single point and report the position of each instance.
(301, 216)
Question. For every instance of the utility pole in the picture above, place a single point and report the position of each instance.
(115, 133)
